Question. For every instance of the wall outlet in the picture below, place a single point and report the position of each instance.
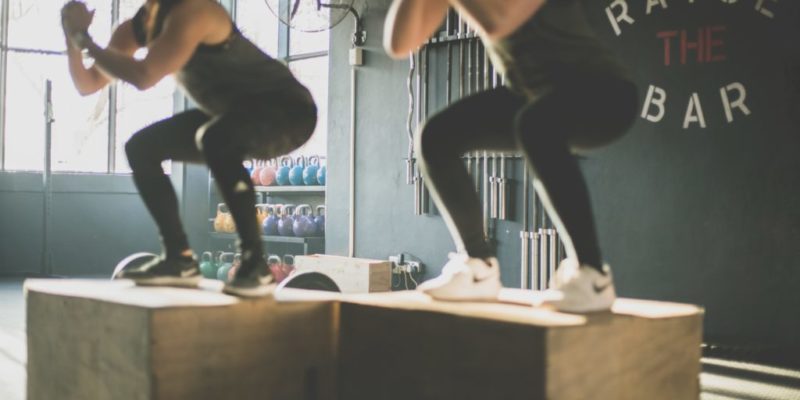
(400, 265)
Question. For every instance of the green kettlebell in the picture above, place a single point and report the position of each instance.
(226, 261)
(207, 267)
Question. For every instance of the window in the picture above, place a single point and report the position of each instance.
(313, 73)
(84, 137)
(136, 109)
(307, 52)
(34, 52)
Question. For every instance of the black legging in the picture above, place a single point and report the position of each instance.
(578, 115)
(257, 128)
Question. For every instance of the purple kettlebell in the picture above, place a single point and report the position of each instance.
(270, 225)
(319, 220)
(286, 221)
(304, 225)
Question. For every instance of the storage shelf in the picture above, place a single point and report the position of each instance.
(290, 189)
(316, 189)
(273, 239)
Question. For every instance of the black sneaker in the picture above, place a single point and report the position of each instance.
(181, 271)
(251, 282)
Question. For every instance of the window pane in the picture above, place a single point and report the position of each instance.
(313, 73)
(36, 24)
(258, 24)
(307, 42)
(137, 109)
(128, 8)
(80, 130)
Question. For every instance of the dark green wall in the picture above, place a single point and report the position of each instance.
(707, 216)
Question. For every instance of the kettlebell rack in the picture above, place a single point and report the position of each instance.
(540, 246)
(267, 195)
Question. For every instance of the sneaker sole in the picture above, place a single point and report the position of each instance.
(190, 282)
(581, 310)
(260, 291)
(482, 297)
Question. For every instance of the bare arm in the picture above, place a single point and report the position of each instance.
(410, 23)
(184, 28)
(90, 80)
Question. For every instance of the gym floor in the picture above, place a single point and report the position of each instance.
(720, 380)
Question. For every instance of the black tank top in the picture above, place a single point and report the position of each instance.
(219, 76)
(556, 44)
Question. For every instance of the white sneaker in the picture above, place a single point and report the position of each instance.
(581, 289)
(465, 279)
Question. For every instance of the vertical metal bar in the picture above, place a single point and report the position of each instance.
(493, 195)
(503, 188)
(112, 106)
(351, 250)
(485, 194)
(47, 193)
(410, 169)
(461, 57)
(423, 100)
(4, 9)
(536, 283)
(524, 235)
(283, 30)
(543, 259)
(553, 246)
(524, 260)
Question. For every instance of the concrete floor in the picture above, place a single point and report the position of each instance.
(720, 380)
(12, 340)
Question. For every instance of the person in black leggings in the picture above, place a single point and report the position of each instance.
(565, 93)
(250, 105)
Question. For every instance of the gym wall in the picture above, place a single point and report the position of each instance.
(707, 215)
(95, 221)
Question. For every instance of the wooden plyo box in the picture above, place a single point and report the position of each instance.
(403, 345)
(100, 340)
(110, 340)
(352, 275)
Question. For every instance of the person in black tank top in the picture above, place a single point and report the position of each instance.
(564, 93)
(249, 105)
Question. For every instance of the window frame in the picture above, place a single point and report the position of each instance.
(284, 33)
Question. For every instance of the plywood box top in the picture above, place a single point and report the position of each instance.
(515, 305)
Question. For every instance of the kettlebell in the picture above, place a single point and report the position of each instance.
(276, 268)
(237, 262)
(270, 225)
(286, 222)
(267, 174)
(228, 225)
(261, 213)
(219, 220)
(310, 172)
(303, 225)
(322, 175)
(226, 262)
(319, 220)
(207, 267)
(288, 264)
(296, 173)
(255, 173)
(282, 175)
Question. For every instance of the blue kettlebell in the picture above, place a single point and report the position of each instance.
(319, 220)
(310, 173)
(282, 175)
(303, 225)
(296, 173)
(225, 267)
(270, 225)
(322, 175)
(286, 222)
